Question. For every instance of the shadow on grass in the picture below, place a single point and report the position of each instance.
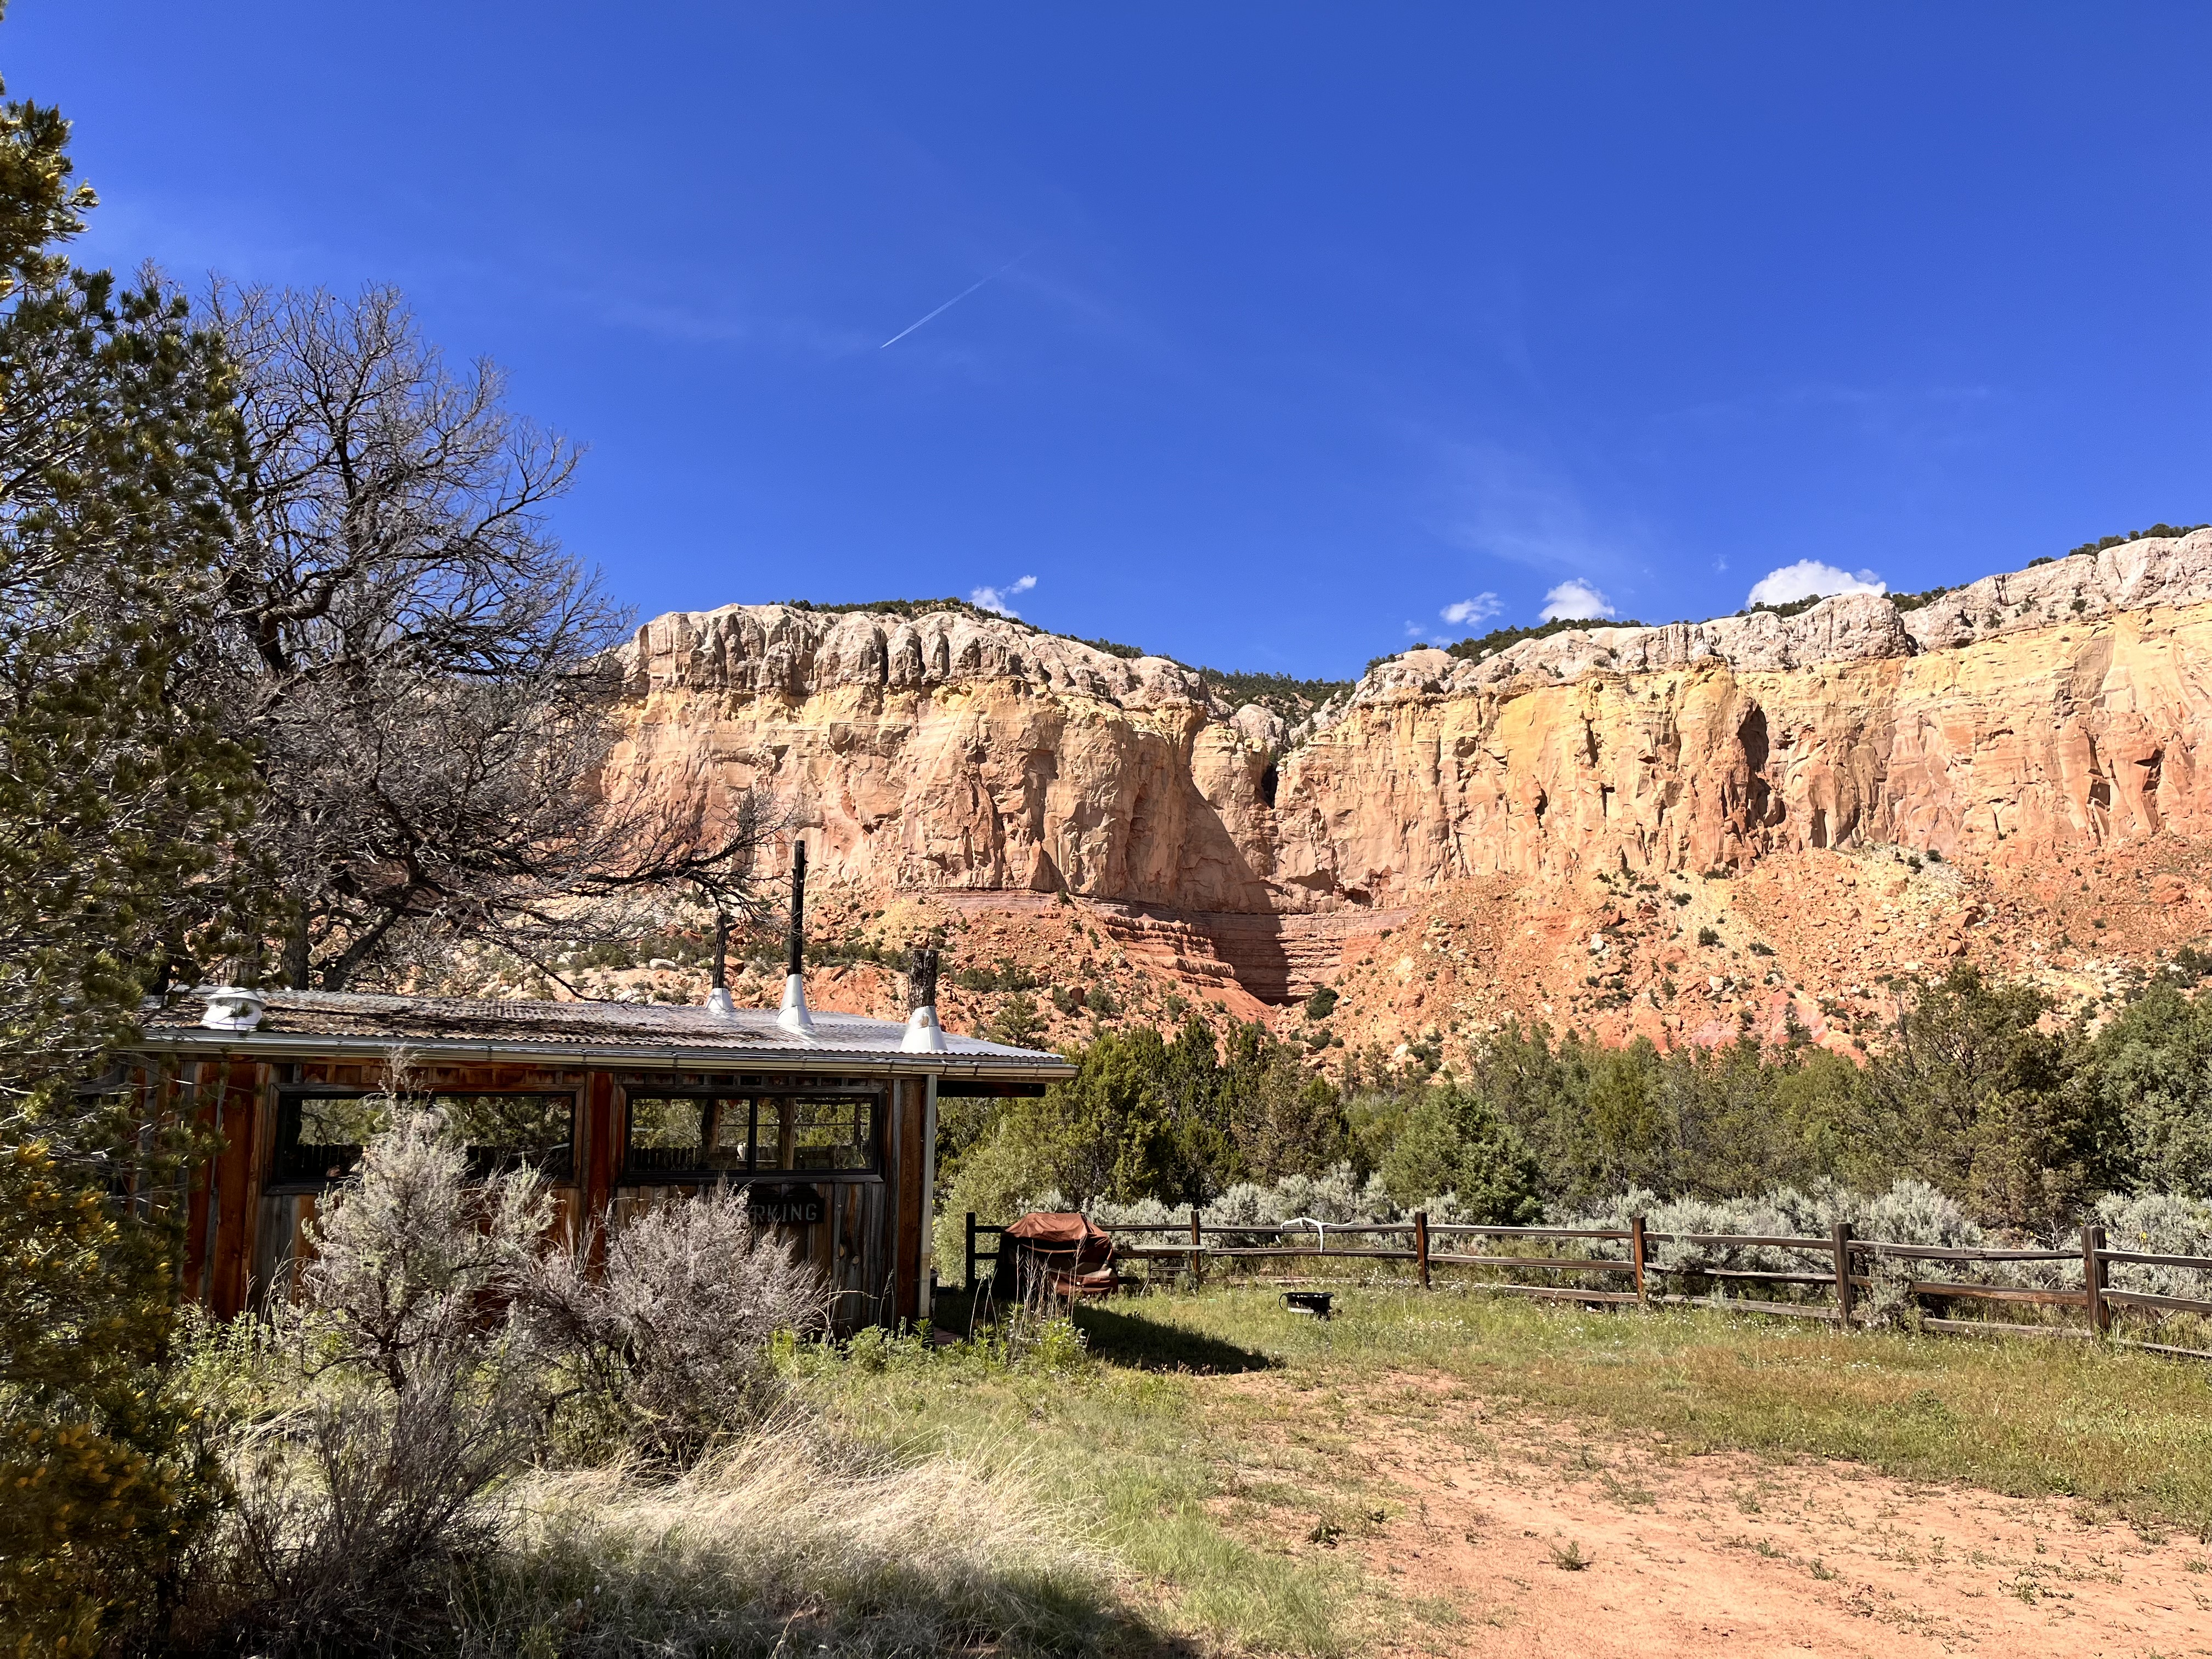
(1142, 1344)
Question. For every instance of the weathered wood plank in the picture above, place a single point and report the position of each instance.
(2140, 1259)
(1559, 1263)
(1999, 1328)
(2166, 1304)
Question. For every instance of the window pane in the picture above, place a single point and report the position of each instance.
(689, 1137)
(321, 1136)
(664, 1125)
(683, 1134)
(833, 1134)
(502, 1131)
(768, 1152)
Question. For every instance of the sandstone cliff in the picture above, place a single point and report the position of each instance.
(2017, 725)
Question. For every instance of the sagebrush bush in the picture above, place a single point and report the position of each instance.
(430, 1349)
(2159, 1224)
(405, 1258)
(398, 1396)
(665, 1346)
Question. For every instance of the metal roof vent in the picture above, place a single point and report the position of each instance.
(231, 1008)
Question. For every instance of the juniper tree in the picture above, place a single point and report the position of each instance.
(121, 803)
(1974, 1094)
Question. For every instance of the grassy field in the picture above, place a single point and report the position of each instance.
(1149, 1437)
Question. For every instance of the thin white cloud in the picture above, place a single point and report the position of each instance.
(995, 599)
(1810, 579)
(1465, 613)
(1506, 504)
(1577, 599)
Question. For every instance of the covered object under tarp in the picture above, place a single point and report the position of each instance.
(1058, 1252)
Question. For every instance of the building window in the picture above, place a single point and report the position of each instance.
(320, 1132)
(698, 1137)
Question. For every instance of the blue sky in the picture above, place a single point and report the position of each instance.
(1302, 323)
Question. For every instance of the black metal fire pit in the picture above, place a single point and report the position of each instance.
(1309, 1301)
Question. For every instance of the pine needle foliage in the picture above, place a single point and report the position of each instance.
(120, 808)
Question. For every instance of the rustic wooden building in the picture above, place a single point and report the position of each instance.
(828, 1121)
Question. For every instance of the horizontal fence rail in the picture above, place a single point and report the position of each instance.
(1850, 1269)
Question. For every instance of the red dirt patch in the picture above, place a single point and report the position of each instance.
(1486, 1516)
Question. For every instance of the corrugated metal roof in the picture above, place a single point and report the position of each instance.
(300, 1023)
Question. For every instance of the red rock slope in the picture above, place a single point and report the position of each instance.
(1545, 832)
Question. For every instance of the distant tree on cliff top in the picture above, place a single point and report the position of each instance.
(911, 608)
(1284, 694)
(1499, 639)
(2161, 528)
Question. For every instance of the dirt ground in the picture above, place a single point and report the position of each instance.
(1497, 1535)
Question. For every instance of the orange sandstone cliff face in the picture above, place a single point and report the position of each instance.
(2015, 728)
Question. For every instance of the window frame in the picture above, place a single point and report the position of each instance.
(754, 1092)
(286, 1131)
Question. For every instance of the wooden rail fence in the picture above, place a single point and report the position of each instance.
(1842, 1263)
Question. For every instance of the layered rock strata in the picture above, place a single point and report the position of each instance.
(2026, 718)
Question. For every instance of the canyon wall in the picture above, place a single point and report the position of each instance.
(2025, 718)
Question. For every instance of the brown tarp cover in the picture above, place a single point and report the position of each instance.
(1074, 1252)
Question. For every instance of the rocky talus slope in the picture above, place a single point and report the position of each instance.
(1556, 826)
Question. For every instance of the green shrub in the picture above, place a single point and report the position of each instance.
(1285, 693)
(1500, 639)
(1453, 1142)
(1016, 1024)
(2159, 529)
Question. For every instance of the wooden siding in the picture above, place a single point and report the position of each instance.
(249, 1233)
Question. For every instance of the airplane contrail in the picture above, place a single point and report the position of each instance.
(955, 299)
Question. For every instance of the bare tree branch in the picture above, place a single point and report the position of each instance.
(423, 668)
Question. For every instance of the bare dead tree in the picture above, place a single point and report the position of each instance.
(422, 667)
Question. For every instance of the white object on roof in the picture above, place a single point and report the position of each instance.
(719, 1001)
(924, 1036)
(231, 1008)
(793, 1017)
(689, 1036)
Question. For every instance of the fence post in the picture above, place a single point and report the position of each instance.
(1197, 1243)
(1636, 1252)
(1421, 1245)
(971, 1253)
(2094, 1270)
(1847, 1292)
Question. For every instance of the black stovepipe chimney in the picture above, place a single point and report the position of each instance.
(796, 961)
(921, 979)
(924, 1035)
(794, 1016)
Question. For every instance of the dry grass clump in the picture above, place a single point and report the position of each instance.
(396, 1435)
(785, 1542)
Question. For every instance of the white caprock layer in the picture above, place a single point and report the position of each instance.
(792, 1016)
(719, 1001)
(924, 1036)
